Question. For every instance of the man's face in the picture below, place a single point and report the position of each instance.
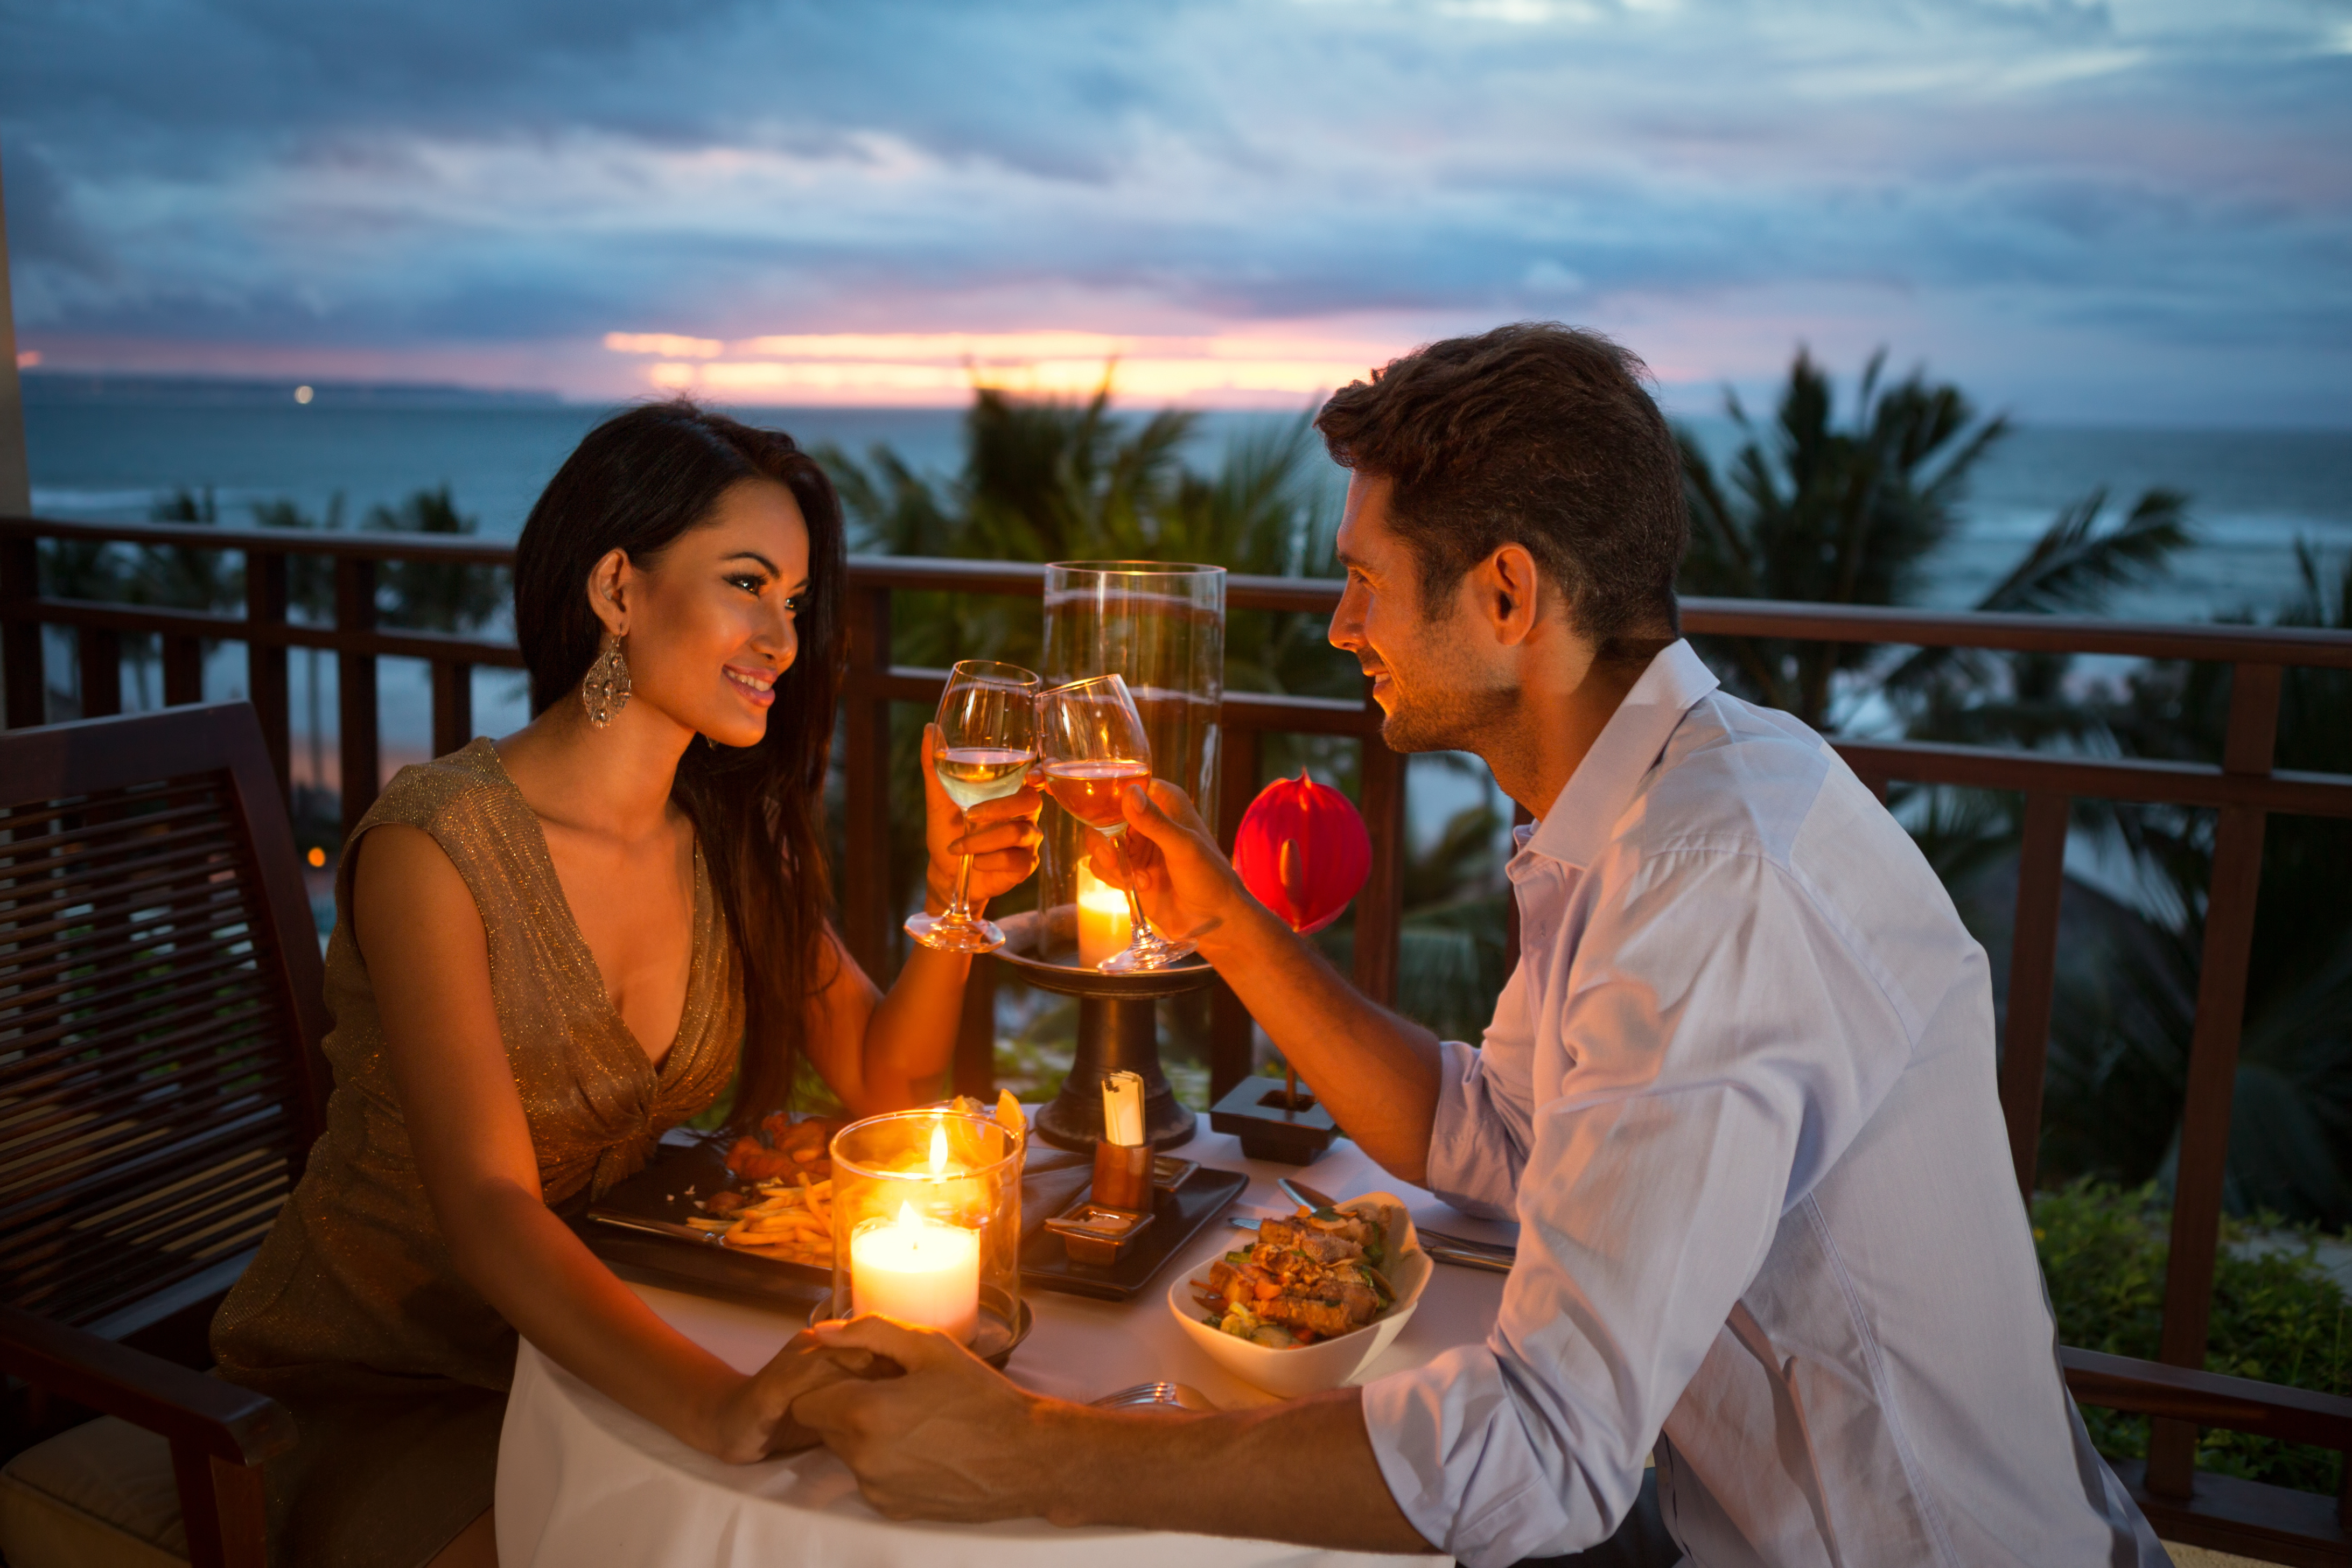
(1433, 677)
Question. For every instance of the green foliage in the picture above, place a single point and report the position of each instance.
(181, 576)
(1061, 478)
(310, 579)
(1838, 514)
(434, 595)
(2127, 991)
(2277, 1318)
(1818, 512)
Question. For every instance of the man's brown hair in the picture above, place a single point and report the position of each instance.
(1535, 434)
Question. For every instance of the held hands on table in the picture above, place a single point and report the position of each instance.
(926, 1426)
(1000, 836)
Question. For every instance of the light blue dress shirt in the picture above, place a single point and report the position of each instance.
(1739, 1095)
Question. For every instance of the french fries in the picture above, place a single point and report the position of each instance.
(794, 1221)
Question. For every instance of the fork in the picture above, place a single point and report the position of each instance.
(1163, 1395)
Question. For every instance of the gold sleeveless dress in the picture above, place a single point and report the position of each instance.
(353, 1314)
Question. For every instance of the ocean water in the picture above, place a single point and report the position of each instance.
(104, 451)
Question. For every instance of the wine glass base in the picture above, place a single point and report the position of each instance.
(1157, 953)
(942, 934)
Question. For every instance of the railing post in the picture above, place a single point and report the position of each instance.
(98, 655)
(453, 706)
(2230, 902)
(1240, 759)
(1379, 910)
(866, 764)
(265, 663)
(2033, 979)
(355, 698)
(20, 641)
(183, 670)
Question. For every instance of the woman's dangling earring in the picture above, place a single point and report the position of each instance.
(606, 690)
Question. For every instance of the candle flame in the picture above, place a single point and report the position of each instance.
(939, 1148)
(908, 1219)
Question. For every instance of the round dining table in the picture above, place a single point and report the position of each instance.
(583, 1483)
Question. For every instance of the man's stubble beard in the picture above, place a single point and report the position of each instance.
(1459, 720)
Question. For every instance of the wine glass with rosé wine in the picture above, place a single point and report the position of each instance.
(988, 741)
(1094, 747)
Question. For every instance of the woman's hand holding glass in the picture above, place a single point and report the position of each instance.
(983, 743)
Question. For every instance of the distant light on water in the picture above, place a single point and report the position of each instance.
(302, 394)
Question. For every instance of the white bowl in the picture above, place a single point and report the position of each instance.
(1325, 1363)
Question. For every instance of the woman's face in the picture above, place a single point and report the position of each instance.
(710, 628)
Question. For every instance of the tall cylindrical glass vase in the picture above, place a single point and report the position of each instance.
(1161, 626)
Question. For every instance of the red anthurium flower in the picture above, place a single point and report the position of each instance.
(1302, 851)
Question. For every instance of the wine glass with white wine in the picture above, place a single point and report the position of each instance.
(988, 740)
(1094, 747)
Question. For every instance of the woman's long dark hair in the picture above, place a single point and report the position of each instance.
(637, 482)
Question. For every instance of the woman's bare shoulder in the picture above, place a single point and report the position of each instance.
(402, 873)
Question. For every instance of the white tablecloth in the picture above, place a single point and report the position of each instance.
(583, 1482)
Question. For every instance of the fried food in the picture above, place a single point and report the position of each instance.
(784, 1148)
(1312, 1277)
(789, 1220)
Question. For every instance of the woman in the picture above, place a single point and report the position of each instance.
(547, 951)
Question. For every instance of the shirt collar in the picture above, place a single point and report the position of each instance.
(1597, 793)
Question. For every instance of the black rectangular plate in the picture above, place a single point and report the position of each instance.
(1179, 1217)
(659, 1192)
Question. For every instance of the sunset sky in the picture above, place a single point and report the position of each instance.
(2121, 212)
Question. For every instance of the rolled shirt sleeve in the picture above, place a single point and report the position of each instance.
(1478, 1140)
(1718, 1042)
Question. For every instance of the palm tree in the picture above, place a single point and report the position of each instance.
(1853, 513)
(434, 595)
(2126, 992)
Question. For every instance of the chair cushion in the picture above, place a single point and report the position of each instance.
(99, 1496)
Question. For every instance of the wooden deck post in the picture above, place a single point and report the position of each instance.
(98, 655)
(20, 641)
(265, 662)
(2033, 979)
(453, 706)
(2204, 1158)
(355, 694)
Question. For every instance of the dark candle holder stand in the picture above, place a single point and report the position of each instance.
(1118, 1029)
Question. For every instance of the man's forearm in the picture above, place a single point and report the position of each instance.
(1302, 1471)
(1376, 1073)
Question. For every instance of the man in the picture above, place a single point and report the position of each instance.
(1739, 1092)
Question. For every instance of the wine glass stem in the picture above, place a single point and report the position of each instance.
(958, 913)
(1143, 931)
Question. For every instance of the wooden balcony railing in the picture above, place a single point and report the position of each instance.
(2244, 789)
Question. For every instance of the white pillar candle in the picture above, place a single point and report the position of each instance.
(1104, 928)
(918, 1271)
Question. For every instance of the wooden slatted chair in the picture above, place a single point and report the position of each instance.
(161, 1083)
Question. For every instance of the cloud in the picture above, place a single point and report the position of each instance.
(2153, 184)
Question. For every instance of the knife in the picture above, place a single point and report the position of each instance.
(1444, 1249)
(1299, 1193)
(660, 1227)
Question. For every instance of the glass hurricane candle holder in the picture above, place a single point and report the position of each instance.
(1160, 624)
(926, 1225)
